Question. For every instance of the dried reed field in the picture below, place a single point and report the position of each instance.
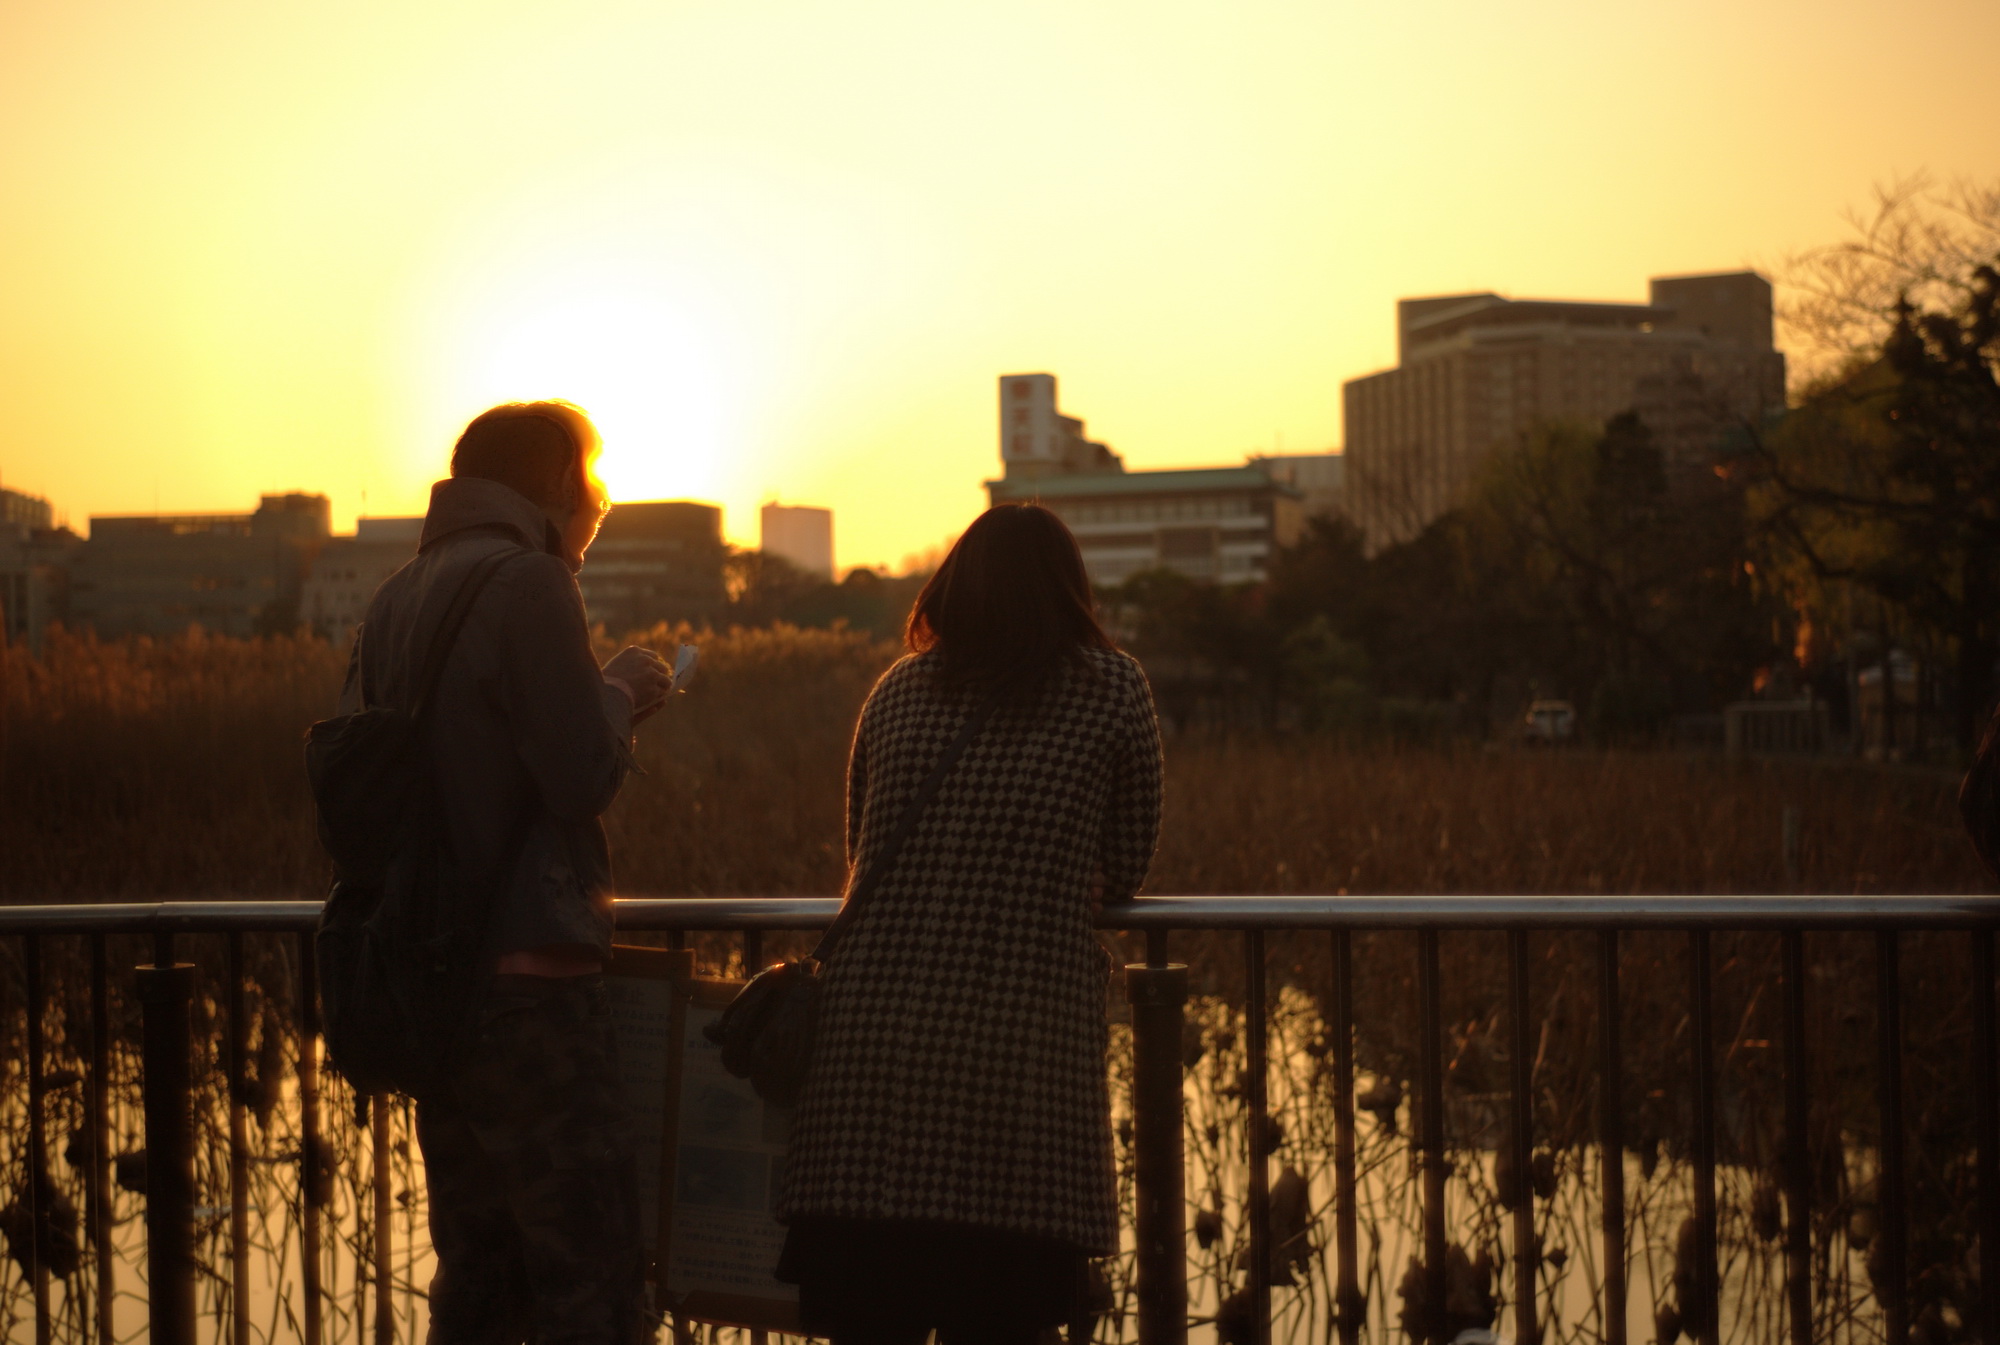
(143, 771)
(172, 769)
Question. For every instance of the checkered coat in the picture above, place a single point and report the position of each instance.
(959, 1072)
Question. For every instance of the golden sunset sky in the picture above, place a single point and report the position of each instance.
(784, 249)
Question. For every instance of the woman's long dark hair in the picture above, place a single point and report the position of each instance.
(1009, 605)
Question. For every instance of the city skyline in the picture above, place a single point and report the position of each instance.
(782, 252)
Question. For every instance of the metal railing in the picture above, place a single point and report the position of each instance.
(1157, 990)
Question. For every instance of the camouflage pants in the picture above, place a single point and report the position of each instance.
(533, 1208)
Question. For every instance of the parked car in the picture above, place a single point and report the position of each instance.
(1548, 723)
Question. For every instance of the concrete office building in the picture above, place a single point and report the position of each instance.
(34, 574)
(801, 535)
(654, 561)
(1475, 371)
(1221, 524)
(343, 580)
(233, 574)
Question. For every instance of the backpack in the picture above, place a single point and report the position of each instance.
(397, 962)
(1979, 797)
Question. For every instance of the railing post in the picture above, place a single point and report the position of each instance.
(1611, 1136)
(1798, 1141)
(1430, 1127)
(1257, 1070)
(1986, 1116)
(385, 1289)
(1892, 1280)
(312, 1180)
(1521, 1136)
(39, 1183)
(1158, 996)
(1348, 1304)
(239, 1149)
(164, 992)
(99, 1174)
(1702, 1319)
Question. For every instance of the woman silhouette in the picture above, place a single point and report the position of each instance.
(951, 1162)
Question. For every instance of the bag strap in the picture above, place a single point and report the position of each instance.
(907, 823)
(454, 621)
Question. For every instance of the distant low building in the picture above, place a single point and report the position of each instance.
(28, 513)
(233, 574)
(1219, 524)
(34, 571)
(654, 561)
(343, 580)
(1317, 477)
(801, 535)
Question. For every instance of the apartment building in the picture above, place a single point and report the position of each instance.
(1476, 371)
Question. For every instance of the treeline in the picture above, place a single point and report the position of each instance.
(768, 590)
(1856, 537)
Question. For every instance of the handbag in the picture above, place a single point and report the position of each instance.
(766, 1033)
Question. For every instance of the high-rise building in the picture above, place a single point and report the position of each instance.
(801, 535)
(1221, 524)
(1477, 370)
(233, 574)
(654, 561)
(1037, 439)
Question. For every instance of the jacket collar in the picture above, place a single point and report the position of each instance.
(463, 502)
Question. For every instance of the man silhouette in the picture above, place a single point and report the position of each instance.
(532, 1208)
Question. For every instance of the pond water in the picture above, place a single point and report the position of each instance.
(1388, 1212)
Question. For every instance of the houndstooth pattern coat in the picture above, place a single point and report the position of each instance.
(959, 1071)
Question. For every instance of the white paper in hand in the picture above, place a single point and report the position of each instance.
(685, 659)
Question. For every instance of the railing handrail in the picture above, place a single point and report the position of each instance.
(1142, 913)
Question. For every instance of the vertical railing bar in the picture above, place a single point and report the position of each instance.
(166, 988)
(239, 1156)
(38, 1174)
(1893, 1286)
(1347, 1285)
(382, 1117)
(1611, 1135)
(1798, 1154)
(1521, 1135)
(753, 962)
(311, 1188)
(1430, 1027)
(1706, 1326)
(98, 1177)
(1256, 1069)
(1986, 1108)
(1158, 996)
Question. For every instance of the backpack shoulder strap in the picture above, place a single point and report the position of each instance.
(454, 621)
(850, 910)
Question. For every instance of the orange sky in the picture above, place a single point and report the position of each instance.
(784, 249)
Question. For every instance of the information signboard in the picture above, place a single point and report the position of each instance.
(711, 1150)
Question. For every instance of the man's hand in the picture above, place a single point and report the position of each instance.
(643, 676)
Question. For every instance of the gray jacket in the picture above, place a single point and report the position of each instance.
(529, 743)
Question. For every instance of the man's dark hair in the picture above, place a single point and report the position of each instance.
(530, 446)
(1010, 603)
